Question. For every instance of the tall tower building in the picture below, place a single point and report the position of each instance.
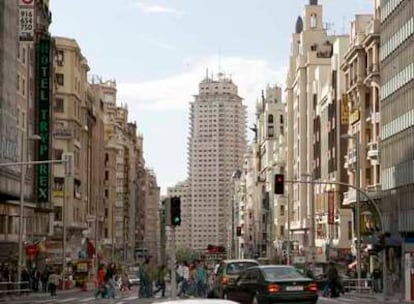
(216, 148)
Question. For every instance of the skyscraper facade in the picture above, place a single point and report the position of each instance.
(216, 147)
(397, 114)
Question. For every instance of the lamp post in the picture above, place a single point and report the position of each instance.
(312, 234)
(23, 156)
(357, 184)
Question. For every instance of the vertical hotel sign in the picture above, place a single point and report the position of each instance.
(26, 20)
(331, 208)
(43, 117)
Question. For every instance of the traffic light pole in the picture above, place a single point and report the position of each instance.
(173, 262)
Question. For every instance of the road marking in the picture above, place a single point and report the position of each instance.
(87, 299)
(130, 298)
(67, 300)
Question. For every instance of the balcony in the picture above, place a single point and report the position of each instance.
(372, 150)
(62, 133)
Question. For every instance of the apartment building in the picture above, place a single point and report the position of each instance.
(362, 82)
(311, 48)
(70, 135)
(246, 185)
(18, 132)
(270, 129)
(217, 145)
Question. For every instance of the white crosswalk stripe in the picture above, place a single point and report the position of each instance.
(87, 300)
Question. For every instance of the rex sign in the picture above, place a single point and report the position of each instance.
(43, 117)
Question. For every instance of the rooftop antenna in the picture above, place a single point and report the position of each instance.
(343, 25)
(220, 73)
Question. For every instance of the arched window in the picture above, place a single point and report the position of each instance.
(270, 118)
(313, 21)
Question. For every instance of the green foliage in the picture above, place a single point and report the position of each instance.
(186, 254)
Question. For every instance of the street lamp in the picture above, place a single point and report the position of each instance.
(23, 156)
(312, 235)
(358, 203)
(236, 177)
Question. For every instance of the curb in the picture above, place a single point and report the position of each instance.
(378, 298)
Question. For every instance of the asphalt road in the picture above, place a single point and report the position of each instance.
(81, 297)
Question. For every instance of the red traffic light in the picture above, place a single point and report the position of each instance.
(279, 183)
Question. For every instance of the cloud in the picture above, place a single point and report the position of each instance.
(176, 91)
(157, 8)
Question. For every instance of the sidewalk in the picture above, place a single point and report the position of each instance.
(377, 297)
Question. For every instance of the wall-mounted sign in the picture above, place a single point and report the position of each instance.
(354, 117)
(43, 117)
(344, 110)
(26, 20)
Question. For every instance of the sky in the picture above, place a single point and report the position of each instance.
(159, 50)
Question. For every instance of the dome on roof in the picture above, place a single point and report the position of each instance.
(299, 25)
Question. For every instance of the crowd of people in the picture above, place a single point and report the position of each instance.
(193, 279)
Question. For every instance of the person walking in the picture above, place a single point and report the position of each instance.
(333, 280)
(160, 280)
(109, 280)
(53, 282)
(100, 283)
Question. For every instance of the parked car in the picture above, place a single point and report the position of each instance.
(133, 280)
(272, 284)
(226, 273)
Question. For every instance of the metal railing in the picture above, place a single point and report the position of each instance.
(14, 287)
(357, 285)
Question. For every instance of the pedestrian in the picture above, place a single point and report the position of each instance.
(160, 280)
(333, 280)
(53, 282)
(124, 282)
(109, 280)
(100, 283)
(376, 277)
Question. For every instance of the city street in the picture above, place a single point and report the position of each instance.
(76, 296)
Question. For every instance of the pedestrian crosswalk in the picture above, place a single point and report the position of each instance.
(79, 299)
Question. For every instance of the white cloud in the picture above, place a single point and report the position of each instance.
(175, 92)
(156, 8)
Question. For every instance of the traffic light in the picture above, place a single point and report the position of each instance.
(279, 184)
(175, 211)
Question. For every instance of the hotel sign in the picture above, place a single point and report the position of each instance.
(354, 117)
(43, 117)
(331, 208)
(344, 110)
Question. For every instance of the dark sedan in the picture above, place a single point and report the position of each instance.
(272, 284)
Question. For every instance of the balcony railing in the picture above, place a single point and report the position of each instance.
(372, 149)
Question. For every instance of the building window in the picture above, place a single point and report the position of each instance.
(270, 131)
(57, 213)
(58, 153)
(59, 105)
(60, 79)
(313, 21)
(270, 118)
(60, 57)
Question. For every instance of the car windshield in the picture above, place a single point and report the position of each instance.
(236, 267)
(280, 273)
